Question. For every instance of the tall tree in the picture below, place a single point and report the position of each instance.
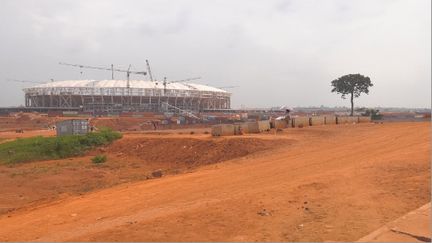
(351, 84)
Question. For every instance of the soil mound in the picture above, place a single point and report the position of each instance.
(191, 151)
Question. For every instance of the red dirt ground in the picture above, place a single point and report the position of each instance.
(132, 158)
(324, 183)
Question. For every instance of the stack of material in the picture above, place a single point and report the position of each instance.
(223, 130)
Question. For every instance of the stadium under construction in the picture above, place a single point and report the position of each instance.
(116, 96)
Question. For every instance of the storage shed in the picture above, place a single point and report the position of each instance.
(72, 127)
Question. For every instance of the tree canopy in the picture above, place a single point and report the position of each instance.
(353, 84)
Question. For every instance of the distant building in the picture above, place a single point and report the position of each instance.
(115, 96)
(72, 127)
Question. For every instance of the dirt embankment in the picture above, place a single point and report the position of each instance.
(189, 151)
(25, 121)
(129, 159)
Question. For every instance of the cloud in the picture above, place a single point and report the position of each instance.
(284, 52)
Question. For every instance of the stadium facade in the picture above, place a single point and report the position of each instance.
(111, 96)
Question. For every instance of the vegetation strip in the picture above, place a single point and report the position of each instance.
(46, 148)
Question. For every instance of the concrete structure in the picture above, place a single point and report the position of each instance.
(223, 130)
(300, 121)
(317, 120)
(330, 120)
(353, 119)
(342, 120)
(252, 127)
(264, 125)
(72, 127)
(244, 127)
(364, 119)
(238, 129)
(415, 226)
(111, 96)
(280, 124)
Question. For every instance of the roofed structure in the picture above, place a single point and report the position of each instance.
(120, 95)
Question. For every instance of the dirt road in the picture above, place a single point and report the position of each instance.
(333, 183)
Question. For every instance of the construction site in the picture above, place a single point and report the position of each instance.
(215, 121)
(149, 160)
(110, 97)
(227, 175)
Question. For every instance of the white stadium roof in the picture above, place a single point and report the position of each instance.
(135, 84)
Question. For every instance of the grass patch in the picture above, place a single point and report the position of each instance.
(46, 148)
(98, 159)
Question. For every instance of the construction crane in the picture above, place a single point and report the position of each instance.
(112, 69)
(149, 70)
(24, 81)
(165, 82)
(228, 87)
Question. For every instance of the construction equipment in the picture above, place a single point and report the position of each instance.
(180, 111)
(24, 81)
(165, 82)
(112, 69)
(149, 70)
(228, 87)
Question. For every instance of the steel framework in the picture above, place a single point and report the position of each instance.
(118, 99)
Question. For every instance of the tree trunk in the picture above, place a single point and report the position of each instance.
(352, 104)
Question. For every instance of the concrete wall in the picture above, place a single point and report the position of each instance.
(223, 130)
(263, 125)
(353, 119)
(347, 119)
(317, 120)
(280, 124)
(342, 120)
(300, 121)
(330, 119)
(238, 129)
(252, 127)
(364, 119)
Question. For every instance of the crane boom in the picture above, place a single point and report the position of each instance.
(24, 81)
(149, 70)
(228, 87)
(103, 68)
(183, 80)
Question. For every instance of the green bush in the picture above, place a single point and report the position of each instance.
(45, 148)
(98, 159)
(374, 114)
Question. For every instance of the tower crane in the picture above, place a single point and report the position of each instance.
(228, 87)
(165, 82)
(24, 81)
(112, 69)
(149, 70)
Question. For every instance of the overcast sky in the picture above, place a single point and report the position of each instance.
(280, 52)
